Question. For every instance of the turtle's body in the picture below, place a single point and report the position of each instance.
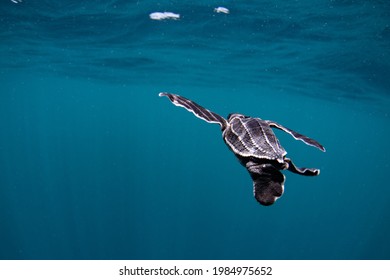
(252, 138)
(256, 146)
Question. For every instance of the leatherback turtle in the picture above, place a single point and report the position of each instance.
(256, 147)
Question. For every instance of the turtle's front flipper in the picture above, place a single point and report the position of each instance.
(268, 182)
(196, 109)
(301, 170)
(297, 136)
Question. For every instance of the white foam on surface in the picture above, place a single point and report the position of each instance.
(222, 10)
(164, 15)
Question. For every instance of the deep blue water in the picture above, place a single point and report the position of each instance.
(94, 165)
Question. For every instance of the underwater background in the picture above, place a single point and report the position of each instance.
(94, 165)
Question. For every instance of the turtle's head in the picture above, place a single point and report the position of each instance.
(232, 116)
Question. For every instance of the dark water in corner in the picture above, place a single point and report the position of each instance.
(93, 165)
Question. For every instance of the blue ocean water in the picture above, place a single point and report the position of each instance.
(94, 165)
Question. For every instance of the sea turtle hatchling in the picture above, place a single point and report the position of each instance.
(256, 146)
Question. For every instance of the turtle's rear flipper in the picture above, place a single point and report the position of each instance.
(268, 182)
(301, 170)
